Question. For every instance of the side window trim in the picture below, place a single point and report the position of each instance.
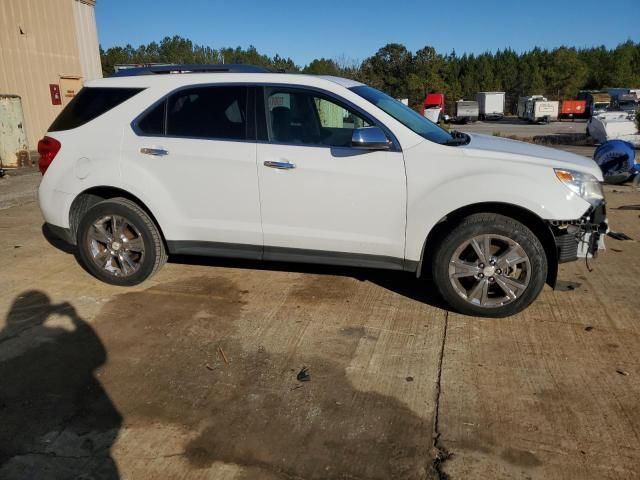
(322, 93)
(165, 120)
(260, 116)
(250, 112)
(262, 135)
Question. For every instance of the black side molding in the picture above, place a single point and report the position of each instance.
(282, 254)
(214, 249)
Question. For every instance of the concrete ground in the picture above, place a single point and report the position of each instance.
(194, 373)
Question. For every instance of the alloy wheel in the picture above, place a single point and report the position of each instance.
(116, 245)
(490, 270)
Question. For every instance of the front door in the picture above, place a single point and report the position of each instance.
(321, 199)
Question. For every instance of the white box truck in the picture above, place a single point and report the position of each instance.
(490, 105)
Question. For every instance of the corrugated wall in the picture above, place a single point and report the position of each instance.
(38, 45)
(85, 19)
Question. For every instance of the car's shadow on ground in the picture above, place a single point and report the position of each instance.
(404, 283)
(56, 242)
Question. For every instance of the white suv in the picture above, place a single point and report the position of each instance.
(234, 161)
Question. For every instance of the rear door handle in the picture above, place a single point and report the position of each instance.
(156, 152)
(280, 165)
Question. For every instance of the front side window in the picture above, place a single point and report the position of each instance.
(306, 118)
(205, 112)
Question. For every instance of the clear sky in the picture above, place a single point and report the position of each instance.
(304, 30)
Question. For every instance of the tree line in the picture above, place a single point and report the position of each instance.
(558, 73)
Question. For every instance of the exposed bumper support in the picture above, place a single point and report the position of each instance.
(580, 238)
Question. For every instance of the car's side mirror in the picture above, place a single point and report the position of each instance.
(370, 138)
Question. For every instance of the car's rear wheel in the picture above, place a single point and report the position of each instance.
(490, 265)
(119, 243)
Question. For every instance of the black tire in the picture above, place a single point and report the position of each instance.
(489, 224)
(152, 258)
(617, 179)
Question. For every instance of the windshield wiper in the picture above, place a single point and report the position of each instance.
(457, 139)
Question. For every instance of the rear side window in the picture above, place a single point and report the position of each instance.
(208, 112)
(90, 103)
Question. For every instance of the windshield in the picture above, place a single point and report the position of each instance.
(410, 119)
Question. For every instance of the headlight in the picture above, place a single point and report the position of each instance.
(584, 185)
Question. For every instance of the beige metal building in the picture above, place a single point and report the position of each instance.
(48, 48)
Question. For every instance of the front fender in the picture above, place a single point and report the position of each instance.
(538, 192)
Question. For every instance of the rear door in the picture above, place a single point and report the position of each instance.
(321, 199)
(194, 154)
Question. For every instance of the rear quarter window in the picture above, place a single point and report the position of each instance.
(152, 122)
(89, 104)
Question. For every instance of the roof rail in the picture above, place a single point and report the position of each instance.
(193, 68)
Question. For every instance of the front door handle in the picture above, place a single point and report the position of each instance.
(280, 165)
(156, 152)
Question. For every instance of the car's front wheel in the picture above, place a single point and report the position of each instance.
(490, 265)
(119, 243)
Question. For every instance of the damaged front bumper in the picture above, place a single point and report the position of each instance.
(583, 237)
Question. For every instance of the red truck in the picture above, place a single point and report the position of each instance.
(433, 106)
(573, 109)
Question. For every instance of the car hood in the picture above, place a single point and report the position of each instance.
(503, 148)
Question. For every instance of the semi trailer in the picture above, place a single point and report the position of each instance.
(466, 111)
(490, 105)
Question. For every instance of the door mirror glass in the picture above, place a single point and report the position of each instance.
(370, 138)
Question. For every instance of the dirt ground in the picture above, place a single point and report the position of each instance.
(194, 373)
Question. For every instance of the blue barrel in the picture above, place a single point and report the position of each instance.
(617, 160)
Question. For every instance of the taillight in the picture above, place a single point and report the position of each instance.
(48, 148)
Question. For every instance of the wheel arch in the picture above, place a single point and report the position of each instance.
(89, 197)
(523, 215)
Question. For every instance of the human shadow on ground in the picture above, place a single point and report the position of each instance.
(57, 420)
